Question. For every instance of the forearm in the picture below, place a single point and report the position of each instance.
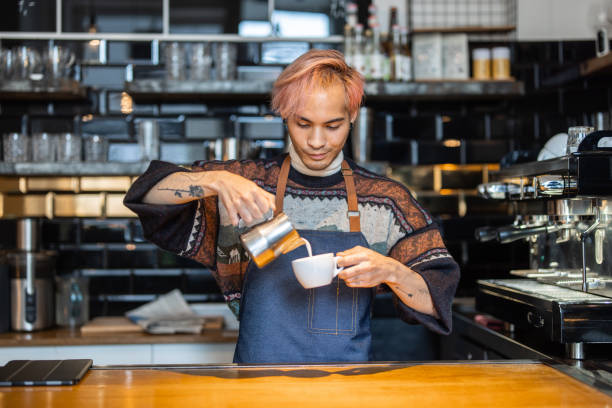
(179, 188)
(411, 289)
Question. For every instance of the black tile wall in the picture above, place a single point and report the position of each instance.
(121, 265)
(116, 127)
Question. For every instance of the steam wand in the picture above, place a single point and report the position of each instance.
(583, 236)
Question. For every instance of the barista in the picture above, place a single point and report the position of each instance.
(384, 239)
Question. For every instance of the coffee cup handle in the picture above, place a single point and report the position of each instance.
(336, 269)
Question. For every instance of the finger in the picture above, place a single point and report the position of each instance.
(251, 205)
(226, 201)
(351, 259)
(351, 273)
(362, 280)
(358, 283)
(351, 251)
(271, 201)
(245, 214)
(262, 204)
(242, 210)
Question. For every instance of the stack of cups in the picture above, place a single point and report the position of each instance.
(68, 147)
(16, 147)
(175, 61)
(96, 148)
(53, 147)
(44, 147)
(225, 61)
(201, 62)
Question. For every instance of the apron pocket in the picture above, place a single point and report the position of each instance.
(332, 309)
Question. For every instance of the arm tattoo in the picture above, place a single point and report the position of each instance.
(194, 191)
(403, 291)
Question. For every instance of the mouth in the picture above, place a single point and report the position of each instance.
(317, 157)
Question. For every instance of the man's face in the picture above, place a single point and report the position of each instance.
(319, 129)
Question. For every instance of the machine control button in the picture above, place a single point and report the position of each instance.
(535, 319)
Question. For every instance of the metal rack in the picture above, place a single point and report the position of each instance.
(481, 19)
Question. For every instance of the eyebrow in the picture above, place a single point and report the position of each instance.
(329, 121)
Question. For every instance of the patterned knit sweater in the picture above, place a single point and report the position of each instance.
(392, 221)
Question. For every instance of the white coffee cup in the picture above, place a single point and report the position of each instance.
(315, 271)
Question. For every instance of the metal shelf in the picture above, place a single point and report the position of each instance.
(65, 90)
(559, 165)
(465, 29)
(599, 66)
(441, 89)
(140, 37)
(159, 89)
(73, 169)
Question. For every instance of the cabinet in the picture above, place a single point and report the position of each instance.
(194, 353)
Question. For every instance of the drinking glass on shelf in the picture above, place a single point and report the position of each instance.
(72, 300)
(28, 64)
(225, 61)
(8, 62)
(575, 135)
(43, 147)
(15, 147)
(96, 148)
(148, 140)
(58, 61)
(201, 62)
(68, 147)
(175, 61)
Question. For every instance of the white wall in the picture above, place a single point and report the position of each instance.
(559, 19)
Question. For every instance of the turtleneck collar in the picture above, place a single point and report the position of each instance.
(298, 164)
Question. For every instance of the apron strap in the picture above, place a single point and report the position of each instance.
(351, 198)
(351, 194)
(281, 183)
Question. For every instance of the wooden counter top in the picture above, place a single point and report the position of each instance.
(477, 384)
(67, 337)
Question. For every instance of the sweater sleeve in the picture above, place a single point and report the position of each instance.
(185, 229)
(424, 252)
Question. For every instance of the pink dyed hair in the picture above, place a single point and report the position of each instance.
(316, 68)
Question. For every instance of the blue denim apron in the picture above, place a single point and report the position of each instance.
(281, 322)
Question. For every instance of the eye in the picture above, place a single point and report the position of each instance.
(333, 127)
(303, 125)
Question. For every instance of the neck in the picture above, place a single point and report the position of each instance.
(298, 164)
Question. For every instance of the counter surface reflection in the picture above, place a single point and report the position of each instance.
(475, 384)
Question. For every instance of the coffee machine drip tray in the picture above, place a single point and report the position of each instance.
(560, 314)
(570, 279)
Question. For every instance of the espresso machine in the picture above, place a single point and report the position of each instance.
(563, 209)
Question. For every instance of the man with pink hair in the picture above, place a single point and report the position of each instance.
(384, 239)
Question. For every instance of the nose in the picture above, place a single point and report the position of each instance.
(316, 139)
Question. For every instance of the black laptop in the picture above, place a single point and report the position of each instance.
(43, 372)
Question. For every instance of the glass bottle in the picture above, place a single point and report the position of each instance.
(406, 55)
(387, 37)
(349, 45)
(379, 60)
(359, 60)
(351, 14)
(372, 15)
(368, 55)
(395, 57)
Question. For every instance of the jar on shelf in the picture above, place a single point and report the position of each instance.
(481, 63)
(501, 63)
